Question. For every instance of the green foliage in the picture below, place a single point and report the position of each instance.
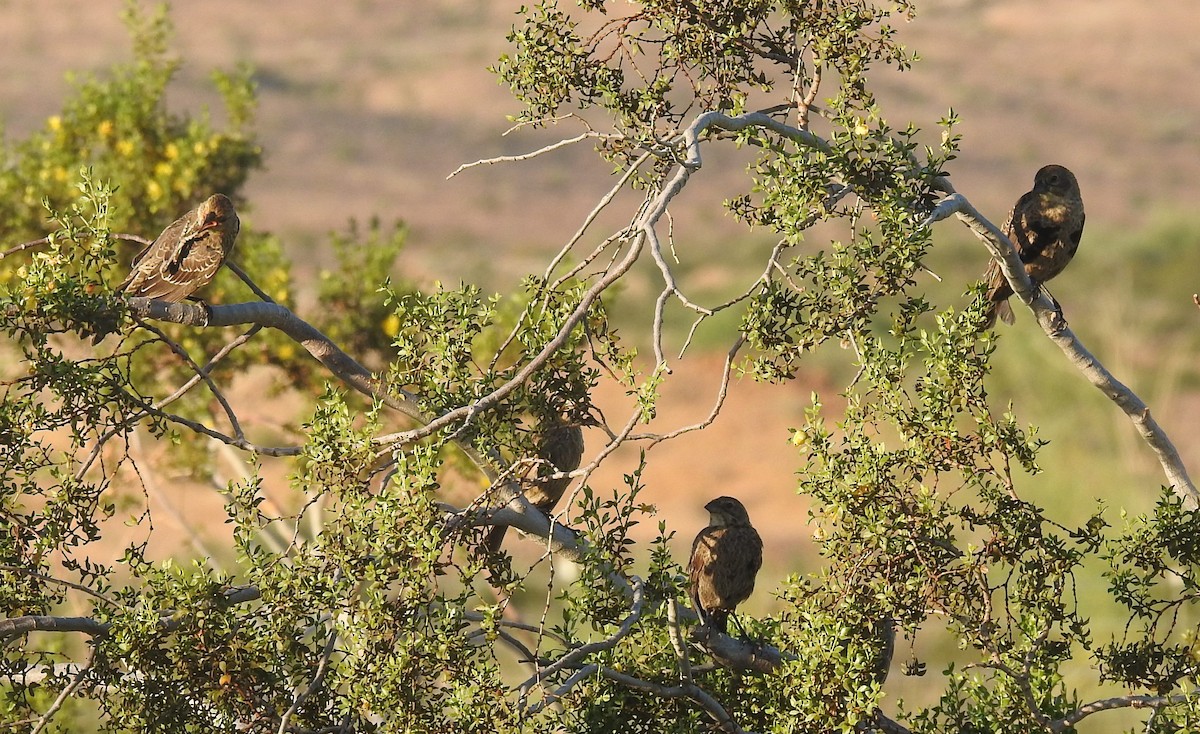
(1153, 574)
(355, 317)
(452, 347)
(650, 66)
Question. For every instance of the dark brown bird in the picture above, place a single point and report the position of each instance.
(1045, 225)
(188, 253)
(726, 557)
(560, 448)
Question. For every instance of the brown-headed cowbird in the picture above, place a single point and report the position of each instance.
(560, 448)
(188, 253)
(1045, 226)
(726, 557)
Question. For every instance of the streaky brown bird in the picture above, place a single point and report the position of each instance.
(188, 253)
(1045, 225)
(726, 557)
(560, 448)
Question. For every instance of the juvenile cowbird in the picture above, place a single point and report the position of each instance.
(188, 253)
(1045, 226)
(726, 557)
(560, 448)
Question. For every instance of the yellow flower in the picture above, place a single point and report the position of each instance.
(162, 169)
(125, 147)
(171, 152)
(54, 123)
(153, 190)
(105, 128)
(200, 148)
(286, 351)
(391, 325)
(60, 174)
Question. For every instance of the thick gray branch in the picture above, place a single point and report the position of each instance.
(737, 654)
(1119, 702)
(168, 620)
(275, 316)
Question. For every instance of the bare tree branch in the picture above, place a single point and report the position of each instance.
(736, 654)
(16, 626)
(572, 658)
(168, 620)
(534, 154)
(1118, 702)
(67, 691)
(317, 681)
(690, 691)
(275, 316)
(23, 247)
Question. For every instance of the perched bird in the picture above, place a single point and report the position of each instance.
(560, 448)
(1045, 226)
(188, 253)
(726, 557)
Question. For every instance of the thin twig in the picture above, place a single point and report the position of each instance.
(61, 582)
(67, 691)
(317, 681)
(23, 247)
(533, 154)
(572, 658)
(151, 487)
(722, 394)
(199, 372)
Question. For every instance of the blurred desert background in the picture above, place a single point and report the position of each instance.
(366, 107)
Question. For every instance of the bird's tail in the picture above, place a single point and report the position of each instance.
(1001, 310)
(495, 538)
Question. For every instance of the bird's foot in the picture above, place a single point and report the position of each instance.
(1057, 320)
(743, 635)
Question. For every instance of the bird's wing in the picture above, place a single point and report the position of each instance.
(1078, 234)
(698, 563)
(185, 234)
(757, 544)
(1022, 227)
(199, 259)
(147, 263)
(167, 242)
